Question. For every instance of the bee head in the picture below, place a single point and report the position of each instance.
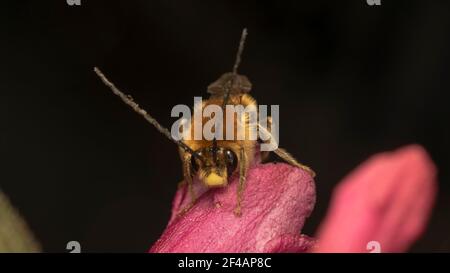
(217, 166)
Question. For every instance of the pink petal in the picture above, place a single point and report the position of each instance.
(387, 199)
(277, 200)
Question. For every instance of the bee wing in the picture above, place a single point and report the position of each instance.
(239, 85)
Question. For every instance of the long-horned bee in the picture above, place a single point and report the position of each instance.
(215, 160)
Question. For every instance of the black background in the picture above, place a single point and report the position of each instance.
(351, 80)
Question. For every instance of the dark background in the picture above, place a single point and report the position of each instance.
(351, 80)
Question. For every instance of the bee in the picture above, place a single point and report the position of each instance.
(215, 161)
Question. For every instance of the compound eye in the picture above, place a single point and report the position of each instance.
(232, 161)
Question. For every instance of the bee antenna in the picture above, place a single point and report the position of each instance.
(214, 150)
(130, 102)
(237, 61)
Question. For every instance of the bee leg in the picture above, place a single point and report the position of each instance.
(187, 179)
(280, 151)
(291, 160)
(265, 154)
(181, 184)
(242, 178)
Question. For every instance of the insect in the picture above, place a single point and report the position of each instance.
(215, 161)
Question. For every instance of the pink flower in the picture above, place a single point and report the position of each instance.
(388, 199)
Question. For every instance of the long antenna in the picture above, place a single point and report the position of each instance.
(130, 102)
(229, 85)
(237, 62)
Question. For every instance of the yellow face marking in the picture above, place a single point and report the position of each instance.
(214, 180)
